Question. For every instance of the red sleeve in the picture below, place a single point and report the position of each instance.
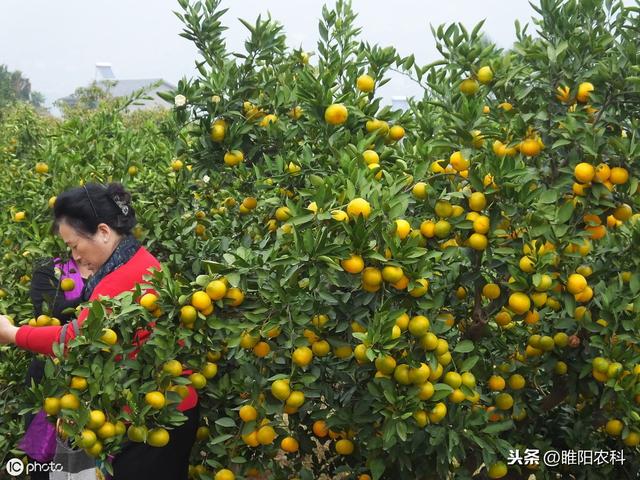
(125, 278)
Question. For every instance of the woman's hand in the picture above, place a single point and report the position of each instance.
(7, 331)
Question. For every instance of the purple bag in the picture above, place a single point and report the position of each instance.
(70, 270)
(39, 441)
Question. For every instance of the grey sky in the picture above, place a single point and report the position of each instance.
(57, 43)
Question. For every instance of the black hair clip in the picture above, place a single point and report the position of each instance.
(122, 205)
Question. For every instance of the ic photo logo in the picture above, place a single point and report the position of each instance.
(15, 467)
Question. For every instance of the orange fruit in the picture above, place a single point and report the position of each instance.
(224, 474)
(198, 381)
(344, 447)
(302, 356)
(485, 74)
(137, 433)
(365, 83)
(289, 445)
(155, 399)
(70, 402)
(200, 301)
(519, 302)
(158, 437)
(261, 350)
(358, 207)
(320, 428)
(469, 86)
(216, 290)
(336, 114)
(497, 470)
(266, 435)
(235, 296)
(496, 383)
(353, 264)
(233, 158)
(584, 91)
(280, 389)
(619, 176)
(173, 368)
(584, 172)
(209, 370)
(396, 133)
(149, 301)
(248, 413)
(51, 406)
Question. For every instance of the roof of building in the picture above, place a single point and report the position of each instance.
(124, 88)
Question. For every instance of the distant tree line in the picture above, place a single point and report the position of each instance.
(16, 88)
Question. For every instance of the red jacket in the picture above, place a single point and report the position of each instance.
(124, 278)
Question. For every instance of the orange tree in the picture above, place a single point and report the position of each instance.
(366, 292)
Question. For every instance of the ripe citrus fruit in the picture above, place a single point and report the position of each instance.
(336, 114)
(289, 445)
(497, 470)
(344, 447)
(137, 433)
(485, 74)
(67, 284)
(235, 296)
(155, 399)
(224, 474)
(233, 158)
(353, 264)
(469, 86)
(365, 83)
(359, 207)
(198, 380)
(109, 336)
(402, 228)
(266, 435)
(158, 437)
(496, 383)
(584, 91)
(280, 389)
(216, 290)
(69, 402)
(418, 325)
(396, 132)
(584, 172)
(51, 405)
(97, 418)
(519, 302)
(530, 147)
(320, 428)
(491, 291)
(209, 370)
(371, 276)
(173, 368)
(149, 301)
(302, 356)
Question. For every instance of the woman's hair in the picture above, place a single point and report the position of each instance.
(84, 208)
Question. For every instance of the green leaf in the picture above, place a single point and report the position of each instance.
(464, 346)
(377, 467)
(549, 196)
(565, 212)
(469, 363)
(219, 439)
(225, 422)
(499, 427)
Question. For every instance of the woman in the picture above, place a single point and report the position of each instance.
(95, 222)
(48, 297)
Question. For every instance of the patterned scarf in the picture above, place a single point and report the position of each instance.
(126, 249)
